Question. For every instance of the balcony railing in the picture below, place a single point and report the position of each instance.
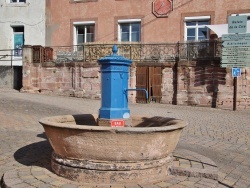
(138, 52)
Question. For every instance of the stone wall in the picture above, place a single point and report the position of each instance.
(205, 84)
(6, 77)
(199, 83)
(65, 79)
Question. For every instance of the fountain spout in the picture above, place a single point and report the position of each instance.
(138, 89)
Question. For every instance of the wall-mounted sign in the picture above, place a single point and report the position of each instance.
(236, 72)
(237, 24)
(244, 36)
(236, 43)
(235, 53)
(162, 8)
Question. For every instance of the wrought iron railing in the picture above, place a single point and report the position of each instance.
(138, 52)
(200, 50)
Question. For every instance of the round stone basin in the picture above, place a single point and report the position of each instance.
(86, 152)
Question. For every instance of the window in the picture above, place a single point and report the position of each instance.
(129, 30)
(18, 35)
(195, 28)
(84, 32)
(17, 1)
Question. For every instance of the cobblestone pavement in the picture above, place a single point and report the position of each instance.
(221, 135)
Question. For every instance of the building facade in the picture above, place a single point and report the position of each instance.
(176, 57)
(72, 22)
(22, 22)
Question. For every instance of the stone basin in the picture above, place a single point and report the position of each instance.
(88, 153)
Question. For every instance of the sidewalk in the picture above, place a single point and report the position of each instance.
(222, 136)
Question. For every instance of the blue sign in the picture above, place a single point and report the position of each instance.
(236, 72)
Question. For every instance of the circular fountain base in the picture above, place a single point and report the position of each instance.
(86, 152)
(111, 172)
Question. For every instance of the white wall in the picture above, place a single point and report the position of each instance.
(31, 15)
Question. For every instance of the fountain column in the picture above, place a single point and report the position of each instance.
(114, 109)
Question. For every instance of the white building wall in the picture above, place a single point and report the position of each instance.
(30, 15)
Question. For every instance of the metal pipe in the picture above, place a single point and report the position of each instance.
(138, 89)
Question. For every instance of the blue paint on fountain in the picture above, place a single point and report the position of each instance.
(115, 75)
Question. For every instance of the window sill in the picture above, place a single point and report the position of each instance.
(17, 4)
(17, 57)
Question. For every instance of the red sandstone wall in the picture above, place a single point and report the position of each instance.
(208, 86)
(196, 86)
(187, 83)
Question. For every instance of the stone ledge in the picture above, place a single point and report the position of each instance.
(187, 163)
(195, 172)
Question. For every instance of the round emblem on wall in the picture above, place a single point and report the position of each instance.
(162, 8)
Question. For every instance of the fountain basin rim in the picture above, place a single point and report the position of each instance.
(63, 122)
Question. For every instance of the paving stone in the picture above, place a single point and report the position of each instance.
(68, 186)
(117, 186)
(28, 177)
(132, 186)
(86, 186)
(22, 185)
(56, 183)
(31, 181)
(207, 183)
(218, 135)
(222, 186)
(44, 186)
(196, 165)
(228, 182)
(176, 186)
(187, 183)
(164, 184)
(150, 186)
(181, 178)
(14, 182)
(243, 183)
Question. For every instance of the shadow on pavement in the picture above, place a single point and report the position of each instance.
(42, 135)
(36, 154)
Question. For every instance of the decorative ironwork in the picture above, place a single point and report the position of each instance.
(138, 52)
(200, 50)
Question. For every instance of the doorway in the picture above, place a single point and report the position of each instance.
(18, 77)
(149, 78)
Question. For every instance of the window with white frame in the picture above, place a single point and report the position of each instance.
(18, 35)
(129, 30)
(17, 1)
(195, 28)
(84, 32)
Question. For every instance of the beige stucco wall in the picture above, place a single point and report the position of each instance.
(30, 15)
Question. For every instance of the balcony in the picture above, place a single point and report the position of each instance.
(138, 52)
